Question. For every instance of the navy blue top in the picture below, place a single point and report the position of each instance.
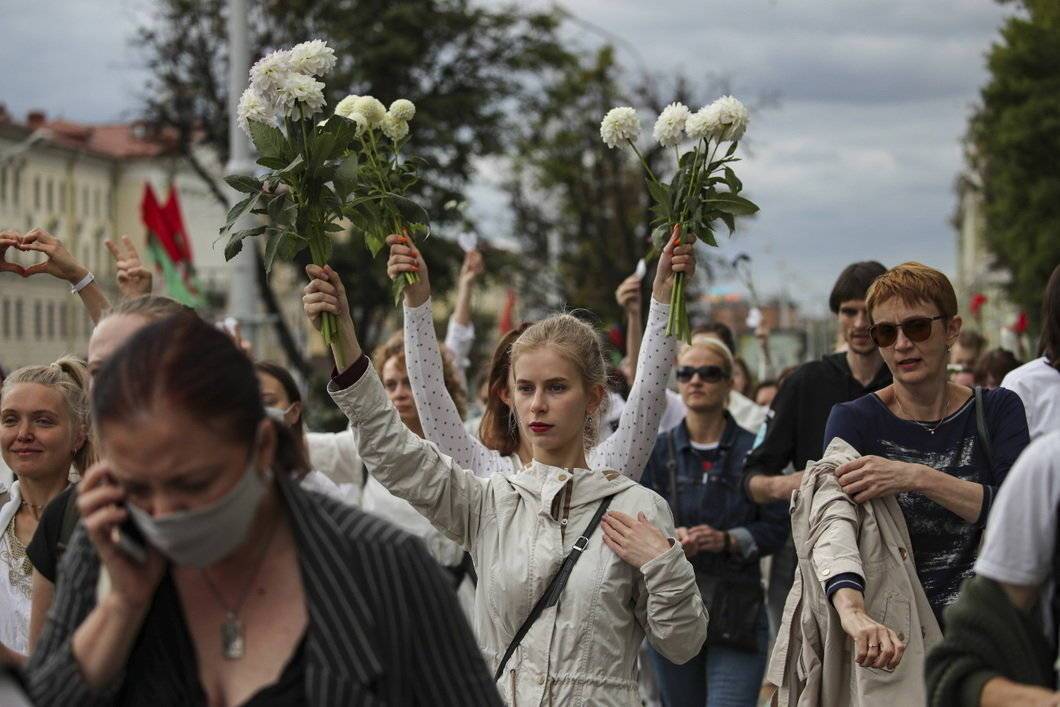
(944, 545)
(710, 492)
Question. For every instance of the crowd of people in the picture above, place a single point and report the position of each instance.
(878, 526)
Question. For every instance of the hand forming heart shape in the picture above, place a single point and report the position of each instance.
(11, 239)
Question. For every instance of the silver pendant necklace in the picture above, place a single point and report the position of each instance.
(930, 428)
(233, 636)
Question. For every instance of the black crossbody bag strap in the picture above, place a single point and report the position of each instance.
(980, 426)
(555, 587)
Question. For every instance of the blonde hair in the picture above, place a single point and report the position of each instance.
(709, 341)
(577, 342)
(150, 307)
(68, 376)
(394, 347)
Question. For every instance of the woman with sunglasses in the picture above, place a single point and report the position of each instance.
(920, 437)
(698, 467)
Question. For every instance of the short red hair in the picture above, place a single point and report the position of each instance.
(912, 284)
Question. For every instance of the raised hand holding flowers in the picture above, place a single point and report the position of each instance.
(704, 188)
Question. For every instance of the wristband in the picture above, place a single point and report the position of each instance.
(82, 283)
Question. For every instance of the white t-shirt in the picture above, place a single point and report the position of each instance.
(1020, 542)
(1038, 385)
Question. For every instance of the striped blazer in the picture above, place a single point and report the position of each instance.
(383, 627)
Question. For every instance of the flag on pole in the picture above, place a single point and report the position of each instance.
(169, 248)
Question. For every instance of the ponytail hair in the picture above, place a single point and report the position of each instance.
(183, 364)
(498, 430)
(69, 377)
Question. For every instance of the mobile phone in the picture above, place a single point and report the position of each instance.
(131, 541)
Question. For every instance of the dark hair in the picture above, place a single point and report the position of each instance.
(183, 363)
(498, 430)
(994, 365)
(971, 339)
(720, 330)
(749, 379)
(1050, 340)
(290, 389)
(784, 375)
(767, 383)
(853, 283)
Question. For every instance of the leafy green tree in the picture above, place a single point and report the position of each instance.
(1015, 147)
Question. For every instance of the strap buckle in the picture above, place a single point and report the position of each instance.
(584, 543)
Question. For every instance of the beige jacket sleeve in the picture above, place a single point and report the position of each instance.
(668, 605)
(411, 468)
(834, 522)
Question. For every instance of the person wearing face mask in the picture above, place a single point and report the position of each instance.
(283, 402)
(942, 449)
(245, 588)
(698, 467)
(565, 636)
(44, 430)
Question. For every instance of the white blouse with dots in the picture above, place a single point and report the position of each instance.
(626, 451)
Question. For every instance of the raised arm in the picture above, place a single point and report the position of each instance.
(407, 465)
(134, 280)
(460, 334)
(423, 361)
(60, 264)
(628, 449)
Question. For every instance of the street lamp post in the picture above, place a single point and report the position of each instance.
(243, 294)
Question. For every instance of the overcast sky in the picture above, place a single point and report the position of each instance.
(857, 161)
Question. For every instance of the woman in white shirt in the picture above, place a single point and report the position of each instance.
(504, 445)
(1038, 382)
(44, 429)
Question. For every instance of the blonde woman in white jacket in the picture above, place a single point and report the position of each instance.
(632, 579)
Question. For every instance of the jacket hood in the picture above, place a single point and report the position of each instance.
(543, 483)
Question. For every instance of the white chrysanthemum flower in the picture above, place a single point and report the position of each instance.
(671, 124)
(732, 116)
(300, 96)
(314, 57)
(360, 121)
(371, 109)
(620, 125)
(346, 106)
(253, 107)
(269, 73)
(703, 124)
(403, 109)
(393, 128)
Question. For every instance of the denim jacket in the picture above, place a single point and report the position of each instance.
(716, 498)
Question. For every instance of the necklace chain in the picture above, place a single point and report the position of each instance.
(930, 428)
(233, 611)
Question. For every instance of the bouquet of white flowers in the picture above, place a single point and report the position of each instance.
(704, 188)
(319, 173)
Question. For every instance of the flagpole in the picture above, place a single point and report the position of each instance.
(243, 296)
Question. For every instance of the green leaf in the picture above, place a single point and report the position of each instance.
(334, 227)
(269, 140)
(272, 162)
(293, 167)
(243, 183)
(374, 241)
(707, 236)
(346, 176)
(237, 211)
(235, 241)
(284, 245)
(730, 221)
(660, 193)
(732, 204)
(733, 181)
(731, 150)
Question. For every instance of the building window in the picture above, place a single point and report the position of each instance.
(84, 201)
(7, 319)
(51, 320)
(49, 194)
(18, 318)
(16, 187)
(38, 319)
(3, 184)
(62, 196)
(99, 203)
(63, 332)
(36, 192)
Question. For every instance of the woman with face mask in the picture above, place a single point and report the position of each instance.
(940, 448)
(575, 645)
(505, 446)
(43, 433)
(242, 587)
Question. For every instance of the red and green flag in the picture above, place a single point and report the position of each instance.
(169, 245)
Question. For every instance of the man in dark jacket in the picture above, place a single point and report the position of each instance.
(795, 433)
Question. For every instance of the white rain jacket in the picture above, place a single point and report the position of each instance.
(518, 527)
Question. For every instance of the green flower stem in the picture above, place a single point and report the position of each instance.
(328, 324)
(643, 162)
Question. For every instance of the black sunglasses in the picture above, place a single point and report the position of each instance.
(915, 329)
(708, 374)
